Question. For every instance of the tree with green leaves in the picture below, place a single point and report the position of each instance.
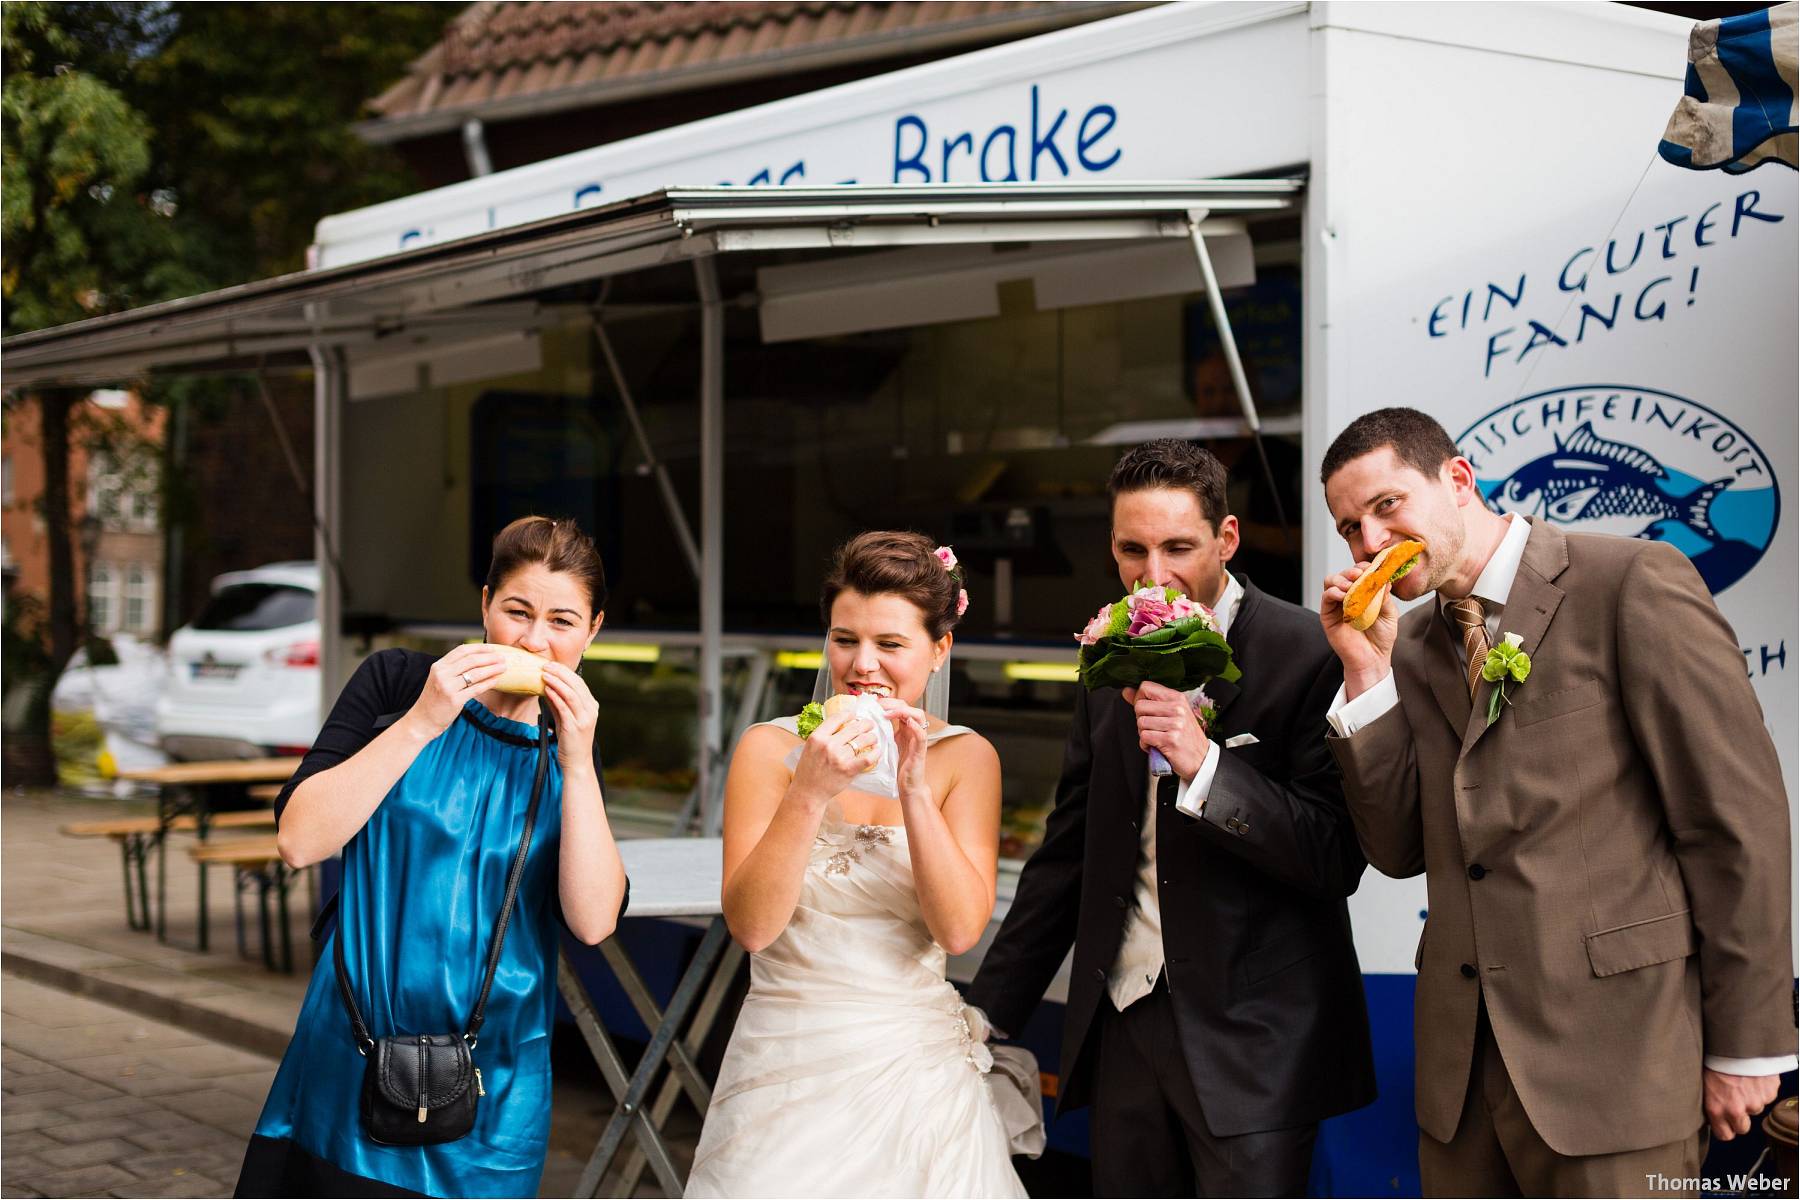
(155, 150)
(77, 242)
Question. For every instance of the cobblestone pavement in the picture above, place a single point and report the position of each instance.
(64, 925)
(117, 1046)
(99, 1102)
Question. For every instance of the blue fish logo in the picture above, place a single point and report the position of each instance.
(1598, 486)
(1635, 462)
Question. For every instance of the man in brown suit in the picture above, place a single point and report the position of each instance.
(1606, 967)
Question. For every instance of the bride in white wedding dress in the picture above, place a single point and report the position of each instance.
(855, 1069)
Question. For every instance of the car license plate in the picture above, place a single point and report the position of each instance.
(212, 669)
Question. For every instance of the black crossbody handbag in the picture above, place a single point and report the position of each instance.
(421, 1089)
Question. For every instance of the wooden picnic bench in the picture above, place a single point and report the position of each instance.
(255, 863)
(135, 836)
(242, 771)
(200, 789)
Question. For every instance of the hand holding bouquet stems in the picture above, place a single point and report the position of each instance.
(1153, 634)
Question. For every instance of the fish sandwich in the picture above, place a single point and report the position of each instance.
(1362, 603)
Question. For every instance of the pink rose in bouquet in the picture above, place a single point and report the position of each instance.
(1098, 627)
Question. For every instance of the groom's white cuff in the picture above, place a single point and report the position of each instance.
(1348, 716)
(1194, 792)
(1779, 1065)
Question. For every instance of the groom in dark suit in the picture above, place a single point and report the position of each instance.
(1215, 1011)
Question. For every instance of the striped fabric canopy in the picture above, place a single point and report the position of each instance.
(1739, 110)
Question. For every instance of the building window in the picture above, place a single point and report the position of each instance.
(122, 497)
(140, 510)
(140, 599)
(6, 484)
(102, 602)
(104, 486)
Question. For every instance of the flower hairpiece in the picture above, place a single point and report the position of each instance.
(947, 556)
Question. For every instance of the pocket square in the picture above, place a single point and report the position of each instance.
(1241, 739)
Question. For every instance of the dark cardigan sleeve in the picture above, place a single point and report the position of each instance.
(382, 690)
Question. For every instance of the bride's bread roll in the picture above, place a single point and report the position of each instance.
(1362, 604)
(843, 702)
(524, 675)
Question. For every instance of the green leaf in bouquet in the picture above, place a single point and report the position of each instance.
(1183, 654)
(1121, 620)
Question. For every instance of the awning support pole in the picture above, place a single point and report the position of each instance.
(712, 536)
(684, 532)
(1222, 322)
(1239, 381)
(329, 376)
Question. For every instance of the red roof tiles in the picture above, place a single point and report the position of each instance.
(511, 59)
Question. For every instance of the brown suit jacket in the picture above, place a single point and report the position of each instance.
(1608, 863)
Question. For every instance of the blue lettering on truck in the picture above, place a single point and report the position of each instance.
(1048, 143)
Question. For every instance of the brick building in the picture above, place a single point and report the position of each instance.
(114, 505)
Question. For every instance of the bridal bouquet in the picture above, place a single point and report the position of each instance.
(1153, 635)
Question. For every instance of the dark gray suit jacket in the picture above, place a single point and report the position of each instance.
(1256, 936)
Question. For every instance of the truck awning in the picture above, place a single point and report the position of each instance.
(484, 283)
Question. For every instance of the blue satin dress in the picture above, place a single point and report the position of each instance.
(423, 881)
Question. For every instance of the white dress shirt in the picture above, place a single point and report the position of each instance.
(1492, 587)
(1140, 958)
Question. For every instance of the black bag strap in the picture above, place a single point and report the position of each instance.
(358, 1028)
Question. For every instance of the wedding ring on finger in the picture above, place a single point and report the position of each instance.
(467, 682)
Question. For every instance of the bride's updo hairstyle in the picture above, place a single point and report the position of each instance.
(558, 544)
(888, 562)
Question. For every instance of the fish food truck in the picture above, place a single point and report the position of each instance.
(948, 298)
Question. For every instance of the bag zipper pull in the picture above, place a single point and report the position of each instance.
(424, 1076)
(479, 1090)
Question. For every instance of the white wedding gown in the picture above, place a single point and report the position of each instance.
(855, 1068)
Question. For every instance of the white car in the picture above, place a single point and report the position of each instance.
(121, 696)
(243, 678)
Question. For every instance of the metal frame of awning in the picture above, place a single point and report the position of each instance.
(437, 287)
(484, 283)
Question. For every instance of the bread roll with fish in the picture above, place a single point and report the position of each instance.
(843, 702)
(1362, 603)
(524, 674)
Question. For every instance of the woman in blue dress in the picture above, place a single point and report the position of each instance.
(422, 776)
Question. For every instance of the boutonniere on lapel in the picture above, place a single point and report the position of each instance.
(1504, 662)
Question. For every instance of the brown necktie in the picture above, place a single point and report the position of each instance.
(1471, 621)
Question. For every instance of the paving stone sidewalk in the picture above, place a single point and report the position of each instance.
(62, 923)
(100, 1102)
(107, 1032)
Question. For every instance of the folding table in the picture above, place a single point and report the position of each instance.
(671, 878)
